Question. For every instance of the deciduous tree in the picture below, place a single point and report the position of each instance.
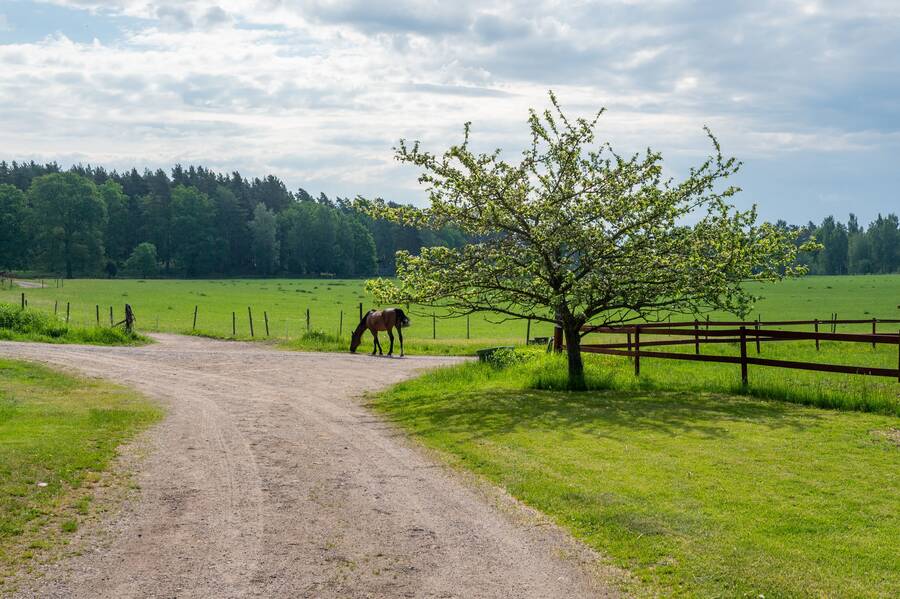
(70, 220)
(575, 233)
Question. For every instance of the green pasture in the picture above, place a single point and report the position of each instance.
(58, 433)
(696, 493)
(168, 305)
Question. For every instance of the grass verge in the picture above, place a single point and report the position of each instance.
(17, 324)
(58, 435)
(698, 494)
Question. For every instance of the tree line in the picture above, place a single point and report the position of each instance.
(193, 222)
(851, 248)
(88, 221)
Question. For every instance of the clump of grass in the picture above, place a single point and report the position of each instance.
(17, 324)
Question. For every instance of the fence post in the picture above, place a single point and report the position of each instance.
(898, 356)
(110, 316)
(744, 356)
(360, 311)
(307, 320)
(433, 326)
(637, 350)
(696, 337)
(528, 332)
(233, 324)
(341, 325)
(873, 332)
(97, 307)
(55, 307)
(756, 326)
(266, 318)
(23, 300)
(194, 326)
(67, 313)
(816, 328)
(467, 326)
(250, 316)
(629, 340)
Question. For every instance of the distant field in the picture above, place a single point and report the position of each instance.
(168, 305)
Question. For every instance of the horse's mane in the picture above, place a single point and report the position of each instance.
(361, 327)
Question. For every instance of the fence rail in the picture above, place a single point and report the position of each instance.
(709, 332)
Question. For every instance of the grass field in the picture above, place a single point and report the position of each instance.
(57, 435)
(697, 494)
(168, 305)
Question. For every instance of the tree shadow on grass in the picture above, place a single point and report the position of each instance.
(599, 413)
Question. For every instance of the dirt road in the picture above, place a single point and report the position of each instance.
(268, 478)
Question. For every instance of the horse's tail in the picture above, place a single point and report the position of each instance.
(402, 319)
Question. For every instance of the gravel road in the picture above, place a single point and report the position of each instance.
(269, 478)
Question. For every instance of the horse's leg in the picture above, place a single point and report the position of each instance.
(400, 334)
(391, 337)
(375, 342)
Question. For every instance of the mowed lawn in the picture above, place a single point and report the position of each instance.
(58, 433)
(695, 493)
(168, 305)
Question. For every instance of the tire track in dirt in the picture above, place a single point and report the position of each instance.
(268, 478)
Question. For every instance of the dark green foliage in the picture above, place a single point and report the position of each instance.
(69, 217)
(13, 233)
(852, 249)
(201, 223)
(143, 261)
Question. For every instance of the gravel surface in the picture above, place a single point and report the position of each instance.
(269, 478)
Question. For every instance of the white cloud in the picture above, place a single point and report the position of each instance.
(320, 90)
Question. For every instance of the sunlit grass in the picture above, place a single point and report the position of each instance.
(57, 434)
(29, 324)
(698, 493)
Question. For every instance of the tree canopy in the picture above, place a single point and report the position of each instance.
(575, 233)
(201, 223)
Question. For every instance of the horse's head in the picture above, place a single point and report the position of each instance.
(355, 340)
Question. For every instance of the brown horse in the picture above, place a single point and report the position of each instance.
(380, 320)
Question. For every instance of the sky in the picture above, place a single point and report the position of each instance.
(805, 93)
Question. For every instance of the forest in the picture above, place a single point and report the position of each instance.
(194, 222)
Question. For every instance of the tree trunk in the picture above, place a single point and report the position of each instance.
(573, 352)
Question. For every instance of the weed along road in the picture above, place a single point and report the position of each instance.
(270, 478)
